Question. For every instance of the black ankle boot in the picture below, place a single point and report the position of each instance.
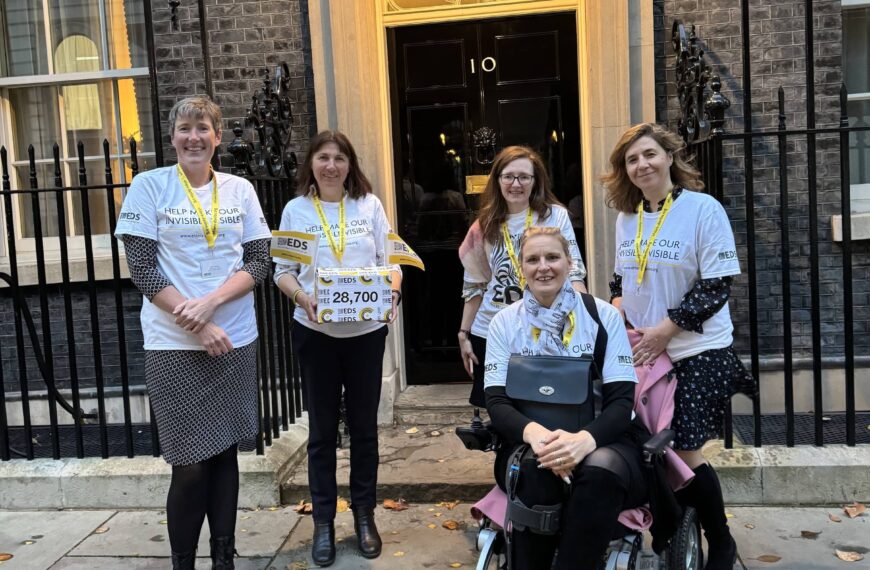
(222, 552)
(323, 544)
(184, 560)
(366, 532)
(705, 495)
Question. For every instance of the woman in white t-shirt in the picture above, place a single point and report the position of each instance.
(602, 462)
(196, 243)
(337, 205)
(517, 196)
(675, 259)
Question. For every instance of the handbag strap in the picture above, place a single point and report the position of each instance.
(601, 337)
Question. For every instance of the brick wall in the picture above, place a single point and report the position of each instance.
(245, 39)
(777, 58)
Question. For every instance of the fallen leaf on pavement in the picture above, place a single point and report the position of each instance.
(437, 514)
(854, 510)
(450, 525)
(398, 553)
(449, 505)
(273, 508)
(811, 534)
(101, 530)
(729, 515)
(412, 430)
(304, 508)
(4, 556)
(750, 526)
(456, 565)
(769, 558)
(848, 555)
(341, 506)
(27, 542)
(246, 517)
(297, 566)
(164, 522)
(392, 505)
(834, 518)
(434, 433)
(432, 525)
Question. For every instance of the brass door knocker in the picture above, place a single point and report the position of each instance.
(484, 141)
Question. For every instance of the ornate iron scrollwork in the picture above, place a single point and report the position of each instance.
(271, 117)
(701, 115)
(483, 140)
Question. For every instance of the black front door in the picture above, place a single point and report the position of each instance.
(460, 93)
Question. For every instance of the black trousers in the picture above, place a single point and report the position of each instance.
(610, 480)
(327, 364)
(478, 345)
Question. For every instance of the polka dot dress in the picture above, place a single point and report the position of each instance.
(705, 384)
(203, 404)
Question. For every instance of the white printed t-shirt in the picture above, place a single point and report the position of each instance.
(510, 333)
(366, 229)
(157, 208)
(695, 242)
(503, 288)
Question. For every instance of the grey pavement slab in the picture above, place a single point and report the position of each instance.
(36, 539)
(414, 538)
(761, 531)
(144, 534)
(114, 563)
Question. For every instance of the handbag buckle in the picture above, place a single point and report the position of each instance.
(547, 390)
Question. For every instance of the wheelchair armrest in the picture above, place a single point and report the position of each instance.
(657, 444)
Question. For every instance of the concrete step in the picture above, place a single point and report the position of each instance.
(435, 404)
(428, 465)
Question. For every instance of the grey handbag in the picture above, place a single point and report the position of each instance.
(554, 391)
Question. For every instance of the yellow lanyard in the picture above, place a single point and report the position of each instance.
(337, 250)
(509, 245)
(210, 232)
(569, 332)
(643, 257)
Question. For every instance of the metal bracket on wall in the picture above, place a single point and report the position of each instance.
(271, 117)
(700, 116)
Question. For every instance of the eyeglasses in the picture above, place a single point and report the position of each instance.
(523, 179)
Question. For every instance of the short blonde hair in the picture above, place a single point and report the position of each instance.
(195, 107)
(551, 231)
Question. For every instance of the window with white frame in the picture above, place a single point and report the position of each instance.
(856, 71)
(70, 71)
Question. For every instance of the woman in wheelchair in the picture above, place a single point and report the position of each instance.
(561, 469)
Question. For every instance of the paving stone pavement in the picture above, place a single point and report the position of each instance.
(279, 539)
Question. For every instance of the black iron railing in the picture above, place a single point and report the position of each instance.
(71, 375)
(790, 256)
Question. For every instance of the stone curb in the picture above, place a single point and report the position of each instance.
(140, 482)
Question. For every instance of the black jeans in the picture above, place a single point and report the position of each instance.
(327, 364)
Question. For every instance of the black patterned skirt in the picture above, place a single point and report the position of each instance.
(705, 384)
(203, 404)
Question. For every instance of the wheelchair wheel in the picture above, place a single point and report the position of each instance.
(684, 552)
(491, 544)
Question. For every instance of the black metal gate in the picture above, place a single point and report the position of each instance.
(778, 199)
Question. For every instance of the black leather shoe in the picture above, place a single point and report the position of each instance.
(323, 545)
(366, 532)
(222, 552)
(184, 560)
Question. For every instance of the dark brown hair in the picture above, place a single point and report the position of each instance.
(622, 194)
(551, 231)
(356, 183)
(494, 209)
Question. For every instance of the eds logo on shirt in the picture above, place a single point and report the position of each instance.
(623, 359)
(727, 255)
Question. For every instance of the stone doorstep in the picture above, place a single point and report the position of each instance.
(422, 467)
(140, 482)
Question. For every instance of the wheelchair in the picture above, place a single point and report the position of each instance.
(625, 552)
